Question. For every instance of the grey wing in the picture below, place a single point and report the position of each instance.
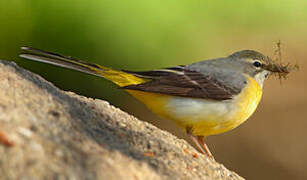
(179, 81)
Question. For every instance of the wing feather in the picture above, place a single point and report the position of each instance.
(183, 82)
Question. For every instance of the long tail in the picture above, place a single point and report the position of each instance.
(118, 77)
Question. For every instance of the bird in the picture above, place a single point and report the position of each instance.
(204, 98)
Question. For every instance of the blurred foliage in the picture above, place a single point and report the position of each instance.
(139, 34)
(133, 34)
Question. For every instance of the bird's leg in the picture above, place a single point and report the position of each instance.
(200, 143)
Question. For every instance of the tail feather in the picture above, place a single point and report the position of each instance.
(118, 77)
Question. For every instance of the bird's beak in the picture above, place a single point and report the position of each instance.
(278, 68)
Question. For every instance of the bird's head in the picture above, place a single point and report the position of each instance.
(258, 66)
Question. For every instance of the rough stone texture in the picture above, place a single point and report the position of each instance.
(46, 133)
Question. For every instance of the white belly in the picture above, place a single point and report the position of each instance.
(196, 110)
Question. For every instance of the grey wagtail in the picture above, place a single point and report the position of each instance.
(205, 98)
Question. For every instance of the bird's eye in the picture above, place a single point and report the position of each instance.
(257, 64)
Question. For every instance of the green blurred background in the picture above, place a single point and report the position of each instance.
(140, 35)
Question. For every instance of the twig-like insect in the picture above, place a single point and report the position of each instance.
(276, 66)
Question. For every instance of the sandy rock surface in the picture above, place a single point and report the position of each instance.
(47, 133)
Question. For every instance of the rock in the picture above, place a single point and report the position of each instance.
(47, 133)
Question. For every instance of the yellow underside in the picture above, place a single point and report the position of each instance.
(244, 104)
(240, 107)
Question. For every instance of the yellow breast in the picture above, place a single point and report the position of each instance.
(205, 117)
